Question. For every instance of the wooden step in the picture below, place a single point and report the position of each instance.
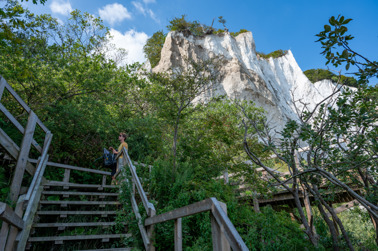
(109, 249)
(80, 202)
(76, 185)
(75, 224)
(78, 193)
(65, 213)
(60, 239)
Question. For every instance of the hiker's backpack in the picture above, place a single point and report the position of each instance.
(109, 159)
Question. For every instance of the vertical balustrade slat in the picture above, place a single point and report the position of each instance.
(178, 234)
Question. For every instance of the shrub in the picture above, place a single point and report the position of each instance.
(153, 47)
(274, 54)
(315, 75)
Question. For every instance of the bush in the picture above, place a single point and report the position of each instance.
(153, 47)
(274, 54)
(315, 75)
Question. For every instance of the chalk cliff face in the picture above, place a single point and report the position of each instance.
(273, 83)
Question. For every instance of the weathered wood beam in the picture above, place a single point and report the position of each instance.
(178, 234)
(8, 215)
(18, 125)
(23, 157)
(2, 86)
(230, 231)
(195, 208)
(13, 150)
(89, 170)
(142, 230)
(16, 97)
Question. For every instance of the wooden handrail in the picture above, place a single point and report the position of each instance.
(221, 225)
(212, 205)
(64, 166)
(148, 206)
(21, 154)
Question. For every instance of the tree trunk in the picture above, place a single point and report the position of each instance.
(174, 145)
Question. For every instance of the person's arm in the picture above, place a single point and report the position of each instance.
(114, 151)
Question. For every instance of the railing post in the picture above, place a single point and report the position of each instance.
(178, 234)
(13, 231)
(66, 178)
(151, 232)
(220, 242)
(23, 157)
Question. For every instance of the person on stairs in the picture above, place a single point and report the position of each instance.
(121, 137)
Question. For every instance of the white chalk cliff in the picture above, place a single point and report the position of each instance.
(273, 83)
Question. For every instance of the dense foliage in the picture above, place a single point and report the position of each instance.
(274, 54)
(63, 73)
(315, 75)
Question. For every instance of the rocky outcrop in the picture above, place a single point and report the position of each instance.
(273, 84)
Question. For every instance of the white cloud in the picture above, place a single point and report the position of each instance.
(61, 7)
(133, 42)
(149, 1)
(114, 13)
(153, 16)
(139, 7)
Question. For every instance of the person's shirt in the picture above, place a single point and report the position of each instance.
(123, 144)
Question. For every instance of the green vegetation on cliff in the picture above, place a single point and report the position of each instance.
(315, 75)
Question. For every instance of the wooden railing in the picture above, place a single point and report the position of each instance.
(146, 233)
(17, 223)
(224, 233)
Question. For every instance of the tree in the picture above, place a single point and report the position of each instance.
(173, 94)
(153, 47)
(332, 146)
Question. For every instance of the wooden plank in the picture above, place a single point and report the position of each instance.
(78, 237)
(73, 167)
(230, 231)
(78, 193)
(59, 183)
(76, 212)
(147, 205)
(2, 86)
(75, 224)
(111, 249)
(82, 202)
(142, 230)
(39, 172)
(195, 208)
(8, 215)
(4, 235)
(17, 98)
(178, 234)
(18, 126)
(13, 150)
(215, 234)
(28, 218)
(22, 157)
(13, 230)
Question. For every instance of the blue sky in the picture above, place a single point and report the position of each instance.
(275, 24)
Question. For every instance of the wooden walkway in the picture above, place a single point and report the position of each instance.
(63, 212)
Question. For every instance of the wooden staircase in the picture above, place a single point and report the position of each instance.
(43, 214)
(80, 217)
